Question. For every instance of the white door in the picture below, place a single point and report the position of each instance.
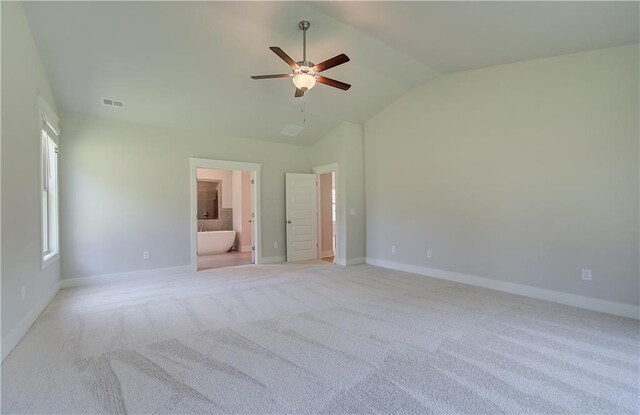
(302, 217)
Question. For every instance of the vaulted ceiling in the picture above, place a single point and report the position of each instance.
(187, 64)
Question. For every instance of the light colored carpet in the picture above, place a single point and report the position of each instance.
(318, 338)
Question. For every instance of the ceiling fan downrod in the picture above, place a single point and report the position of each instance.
(304, 26)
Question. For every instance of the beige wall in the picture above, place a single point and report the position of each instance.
(343, 145)
(245, 238)
(23, 79)
(242, 209)
(125, 190)
(524, 173)
(326, 219)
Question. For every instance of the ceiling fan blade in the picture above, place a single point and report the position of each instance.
(330, 63)
(284, 57)
(299, 93)
(333, 83)
(280, 75)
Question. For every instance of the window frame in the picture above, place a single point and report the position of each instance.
(50, 236)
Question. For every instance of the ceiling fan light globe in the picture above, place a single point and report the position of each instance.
(304, 81)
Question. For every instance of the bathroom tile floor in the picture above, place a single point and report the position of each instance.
(229, 259)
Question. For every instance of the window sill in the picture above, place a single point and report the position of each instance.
(49, 259)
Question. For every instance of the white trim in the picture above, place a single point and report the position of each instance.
(327, 168)
(588, 303)
(46, 113)
(273, 260)
(20, 330)
(254, 168)
(326, 254)
(123, 276)
(350, 261)
(49, 259)
(355, 261)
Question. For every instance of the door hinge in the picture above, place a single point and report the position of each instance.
(253, 181)
(253, 248)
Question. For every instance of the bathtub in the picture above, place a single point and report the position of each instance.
(215, 242)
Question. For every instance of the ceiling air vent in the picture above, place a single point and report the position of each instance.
(291, 130)
(112, 103)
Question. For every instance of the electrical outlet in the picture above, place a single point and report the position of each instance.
(275, 245)
(586, 274)
(393, 249)
(429, 253)
(145, 255)
(23, 292)
(352, 212)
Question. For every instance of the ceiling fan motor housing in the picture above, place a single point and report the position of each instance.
(305, 67)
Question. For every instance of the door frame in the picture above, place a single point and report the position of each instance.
(329, 168)
(254, 168)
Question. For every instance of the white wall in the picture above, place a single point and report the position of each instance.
(343, 145)
(225, 176)
(23, 79)
(524, 173)
(126, 190)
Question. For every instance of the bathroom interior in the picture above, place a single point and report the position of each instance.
(225, 218)
(328, 217)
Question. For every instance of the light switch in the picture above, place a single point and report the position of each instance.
(352, 212)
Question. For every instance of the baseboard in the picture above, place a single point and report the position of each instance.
(18, 332)
(588, 303)
(326, 254)
(244, 248)
(272, 260)
(350, 261)
(123, 276)
(355, 261)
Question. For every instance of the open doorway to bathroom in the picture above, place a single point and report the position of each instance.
(327, 216)
(225, 214)
(327, 212)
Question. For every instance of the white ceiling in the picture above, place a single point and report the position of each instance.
(187, 64)
(458, 35)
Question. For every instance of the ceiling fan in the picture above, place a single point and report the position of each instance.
(305, 74)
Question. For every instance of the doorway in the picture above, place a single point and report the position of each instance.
(225, 213)
(225, 234)
(327, 217)
(309, 237)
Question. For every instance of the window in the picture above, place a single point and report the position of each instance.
(49, 183)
